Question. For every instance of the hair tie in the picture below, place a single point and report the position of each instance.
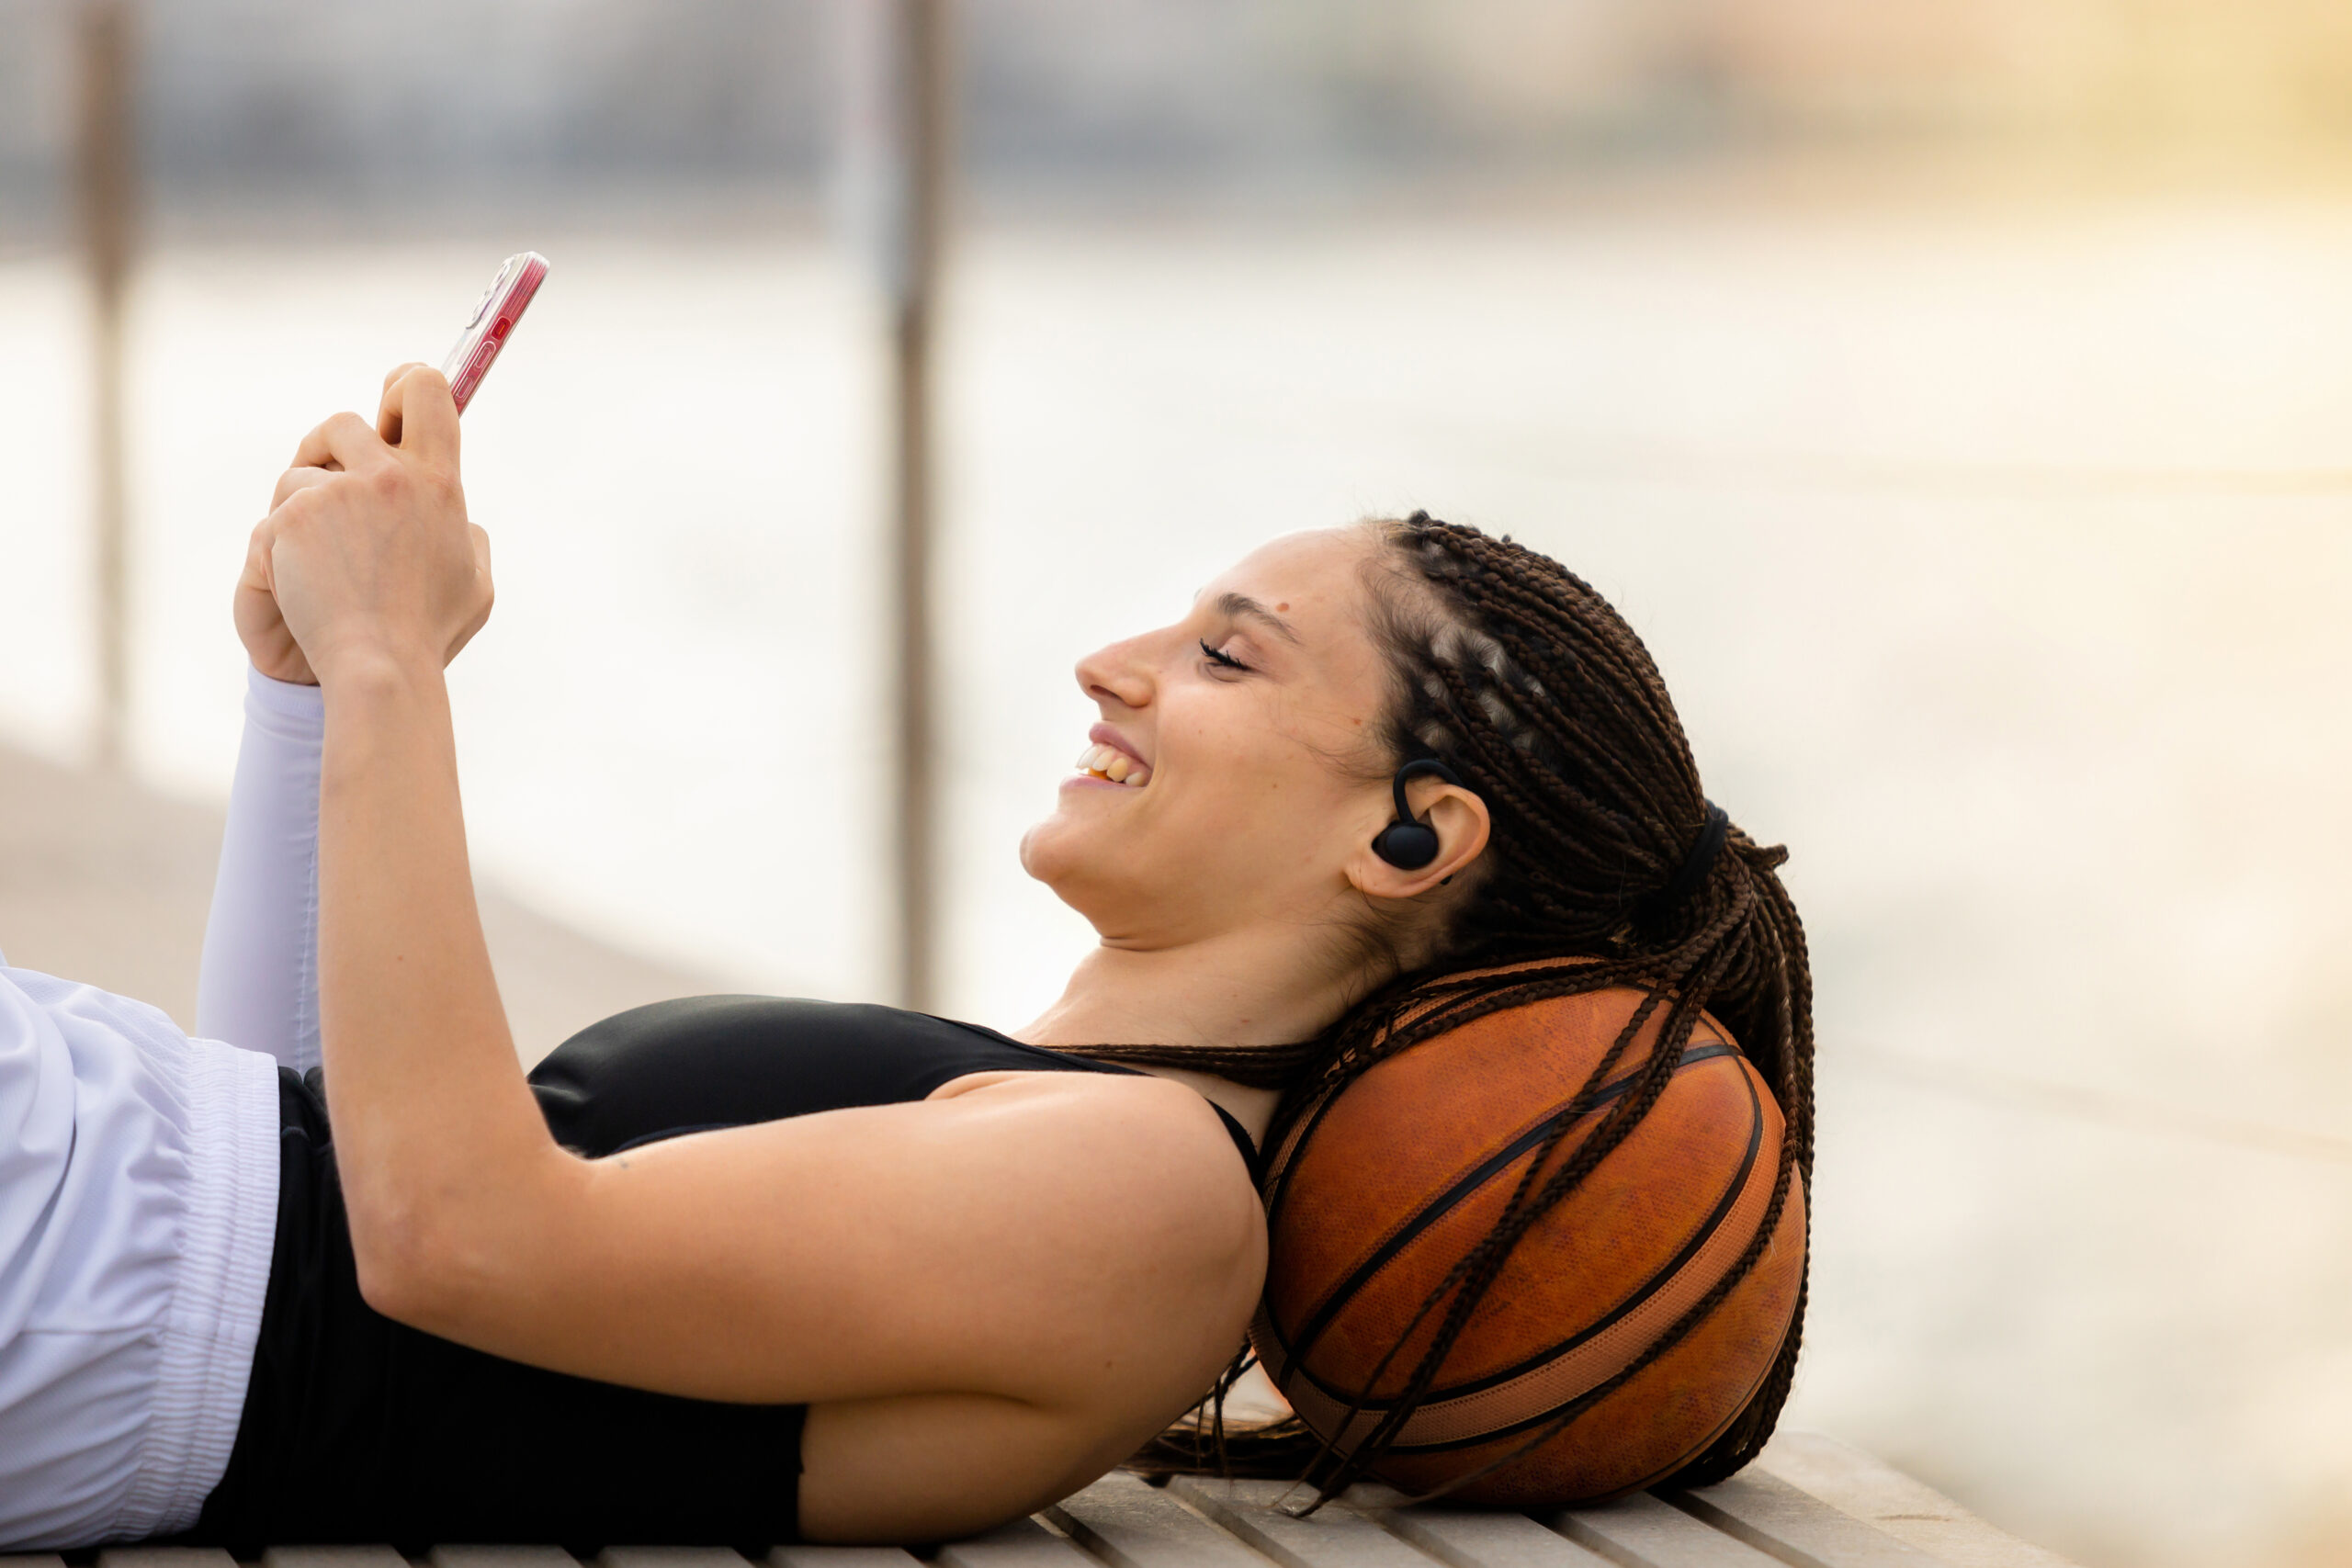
(1695, 865)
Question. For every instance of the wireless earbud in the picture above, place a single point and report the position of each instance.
(1408, 843)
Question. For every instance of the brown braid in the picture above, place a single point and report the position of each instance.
(1254, 1067)
(1518, 676)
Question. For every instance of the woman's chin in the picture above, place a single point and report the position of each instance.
(1044, 850)
(1062, 851)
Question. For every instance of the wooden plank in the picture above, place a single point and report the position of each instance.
(165, 1557)
(501, 1557)
(667, 1557)
(1024, 1543)
(1875, 1492)
(1795, 1525)
(1259, 1512)
(1130, 1524)
(1642, 1532)
(332, 1557)
(841, 1557)
(1486, 1537)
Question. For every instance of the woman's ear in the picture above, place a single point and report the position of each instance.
(1462, 824)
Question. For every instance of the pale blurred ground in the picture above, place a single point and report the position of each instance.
(1997, 553)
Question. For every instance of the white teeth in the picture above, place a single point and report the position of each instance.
(1110, 763)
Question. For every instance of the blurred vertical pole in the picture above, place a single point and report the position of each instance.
(105, 181)
(895, 173)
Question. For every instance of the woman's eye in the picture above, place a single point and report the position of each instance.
(1222, 660)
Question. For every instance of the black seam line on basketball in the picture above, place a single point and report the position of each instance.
(1701, 1447)
(1283, 1162)
(1286, 1158)
(1438, 1207)
(1414, 1225)
(1649, 1287)
(1755, 1143)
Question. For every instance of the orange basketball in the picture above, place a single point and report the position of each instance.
(1377, 1191)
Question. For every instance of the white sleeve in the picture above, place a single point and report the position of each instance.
(259, 984)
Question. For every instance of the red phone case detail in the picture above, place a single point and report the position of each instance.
(501, 307)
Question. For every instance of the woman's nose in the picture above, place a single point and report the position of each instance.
(1116, 674)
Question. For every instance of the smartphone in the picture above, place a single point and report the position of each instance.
(503, 304)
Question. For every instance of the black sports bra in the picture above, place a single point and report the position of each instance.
(356, 1428)
(706, 1062)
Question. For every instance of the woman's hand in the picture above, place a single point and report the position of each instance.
(366, 555)
(260, 624)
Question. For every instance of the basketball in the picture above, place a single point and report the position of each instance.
(1376, 1192)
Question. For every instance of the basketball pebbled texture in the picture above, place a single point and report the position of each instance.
(1377, 1192)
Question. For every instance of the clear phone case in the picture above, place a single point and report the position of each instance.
(502, 305)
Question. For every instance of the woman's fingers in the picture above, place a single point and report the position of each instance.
(380, 561)
(396, 372)
(261, 625)
(368, 553)
(388, 411)
(293, 480)
(416, 398)
(257, 543)
(419, 416)
(342, 441)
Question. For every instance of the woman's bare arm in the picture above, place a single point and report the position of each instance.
(1061, 1241)
(378, 571)
(1038, 1239)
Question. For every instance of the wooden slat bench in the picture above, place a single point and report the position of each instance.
(1811, 1502)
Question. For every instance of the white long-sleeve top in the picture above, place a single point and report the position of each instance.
(139, 1181)
(259, 985)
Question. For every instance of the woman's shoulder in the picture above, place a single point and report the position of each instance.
(1148, 1151)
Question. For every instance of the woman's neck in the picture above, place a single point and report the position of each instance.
(1247, 988)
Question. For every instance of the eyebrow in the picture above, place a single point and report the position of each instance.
(1241, 607)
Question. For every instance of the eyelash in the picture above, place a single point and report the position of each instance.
(1223, 660)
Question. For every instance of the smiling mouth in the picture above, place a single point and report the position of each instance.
(1113, 766)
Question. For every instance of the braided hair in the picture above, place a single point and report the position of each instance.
(1523, 681)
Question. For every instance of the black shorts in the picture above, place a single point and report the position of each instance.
(357, 1428)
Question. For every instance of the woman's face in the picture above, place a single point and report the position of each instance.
(1247, 734)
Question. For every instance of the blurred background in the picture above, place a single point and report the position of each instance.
(1957, 396)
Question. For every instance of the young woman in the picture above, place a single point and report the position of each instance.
(737, 1269)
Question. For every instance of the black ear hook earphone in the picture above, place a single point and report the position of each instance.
(1409, 843)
